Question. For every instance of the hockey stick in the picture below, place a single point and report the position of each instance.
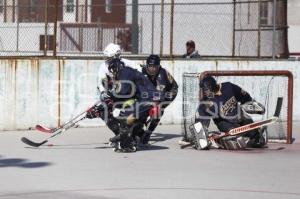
(245, 128)
(37, 144)
(53, 130)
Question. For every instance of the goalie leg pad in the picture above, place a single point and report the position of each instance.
(199, 136)
(233, 143)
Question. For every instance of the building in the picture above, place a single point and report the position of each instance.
(83, 25)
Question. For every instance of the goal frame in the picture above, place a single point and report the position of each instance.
(284, 73)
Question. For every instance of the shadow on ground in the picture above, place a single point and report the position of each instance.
(22, 163)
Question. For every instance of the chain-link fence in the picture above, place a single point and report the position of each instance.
(232, 28)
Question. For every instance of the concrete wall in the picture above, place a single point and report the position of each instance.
(42, 91)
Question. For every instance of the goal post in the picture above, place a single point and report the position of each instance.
(265, 86)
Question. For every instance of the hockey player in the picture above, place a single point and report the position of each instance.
(162, 81)
(137, 96)
(221, 103)
(104, 110)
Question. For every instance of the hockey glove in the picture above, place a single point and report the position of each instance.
(95, 112)
(254, 107)
(104, 96)
(154, 112)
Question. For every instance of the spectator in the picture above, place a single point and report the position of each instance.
(191, 51)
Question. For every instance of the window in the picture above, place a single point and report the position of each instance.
(264, 14)
(33, 6)
(108, 6)
(1, 6)
(70, 6)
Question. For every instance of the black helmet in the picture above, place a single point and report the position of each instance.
(153, 60)
(153, 65)
(209, 86)
(114, 65)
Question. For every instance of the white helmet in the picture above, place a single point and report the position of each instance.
(112, 50)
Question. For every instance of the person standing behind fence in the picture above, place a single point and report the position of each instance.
(191, 51)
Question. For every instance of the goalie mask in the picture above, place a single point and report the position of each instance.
(208, 87)
(153, 65)
(115, 65)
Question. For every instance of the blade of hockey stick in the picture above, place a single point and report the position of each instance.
(37, 144)
(278, 106)
(53, 130)
(45, 129)
(31, 143)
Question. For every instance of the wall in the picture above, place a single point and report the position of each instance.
(40, 91)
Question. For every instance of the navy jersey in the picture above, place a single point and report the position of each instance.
(131, 83)
(224, 105)
(163, 82)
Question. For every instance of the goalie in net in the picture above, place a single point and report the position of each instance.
(229, 107)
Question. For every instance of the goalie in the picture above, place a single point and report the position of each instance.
(228, 106)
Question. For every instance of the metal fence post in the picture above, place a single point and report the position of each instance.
(259, 29)
(152, 29)
(135, 27)
(171, 28)
(274, 29)
(46, 28)
(162, 4)
(233, 28)
(18, 29)
(55, 29)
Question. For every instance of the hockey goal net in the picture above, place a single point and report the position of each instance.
(265, 86)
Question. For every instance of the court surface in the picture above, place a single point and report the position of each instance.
(80, 164)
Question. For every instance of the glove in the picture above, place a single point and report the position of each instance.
(254, 107)
(94, 112)
(104, 96)
(169, 96)
(154, 112)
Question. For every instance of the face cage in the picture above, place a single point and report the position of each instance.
(207, 93)
(154, 72)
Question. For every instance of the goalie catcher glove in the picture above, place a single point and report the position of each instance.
(254, 107)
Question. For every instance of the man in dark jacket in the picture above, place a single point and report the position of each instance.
(163, 81)
(191, 51)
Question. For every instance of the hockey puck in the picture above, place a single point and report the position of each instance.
(50, 145)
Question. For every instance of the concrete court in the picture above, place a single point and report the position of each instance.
(81, 165)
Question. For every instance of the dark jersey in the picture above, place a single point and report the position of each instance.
(163, 82)
(132, 84)
(224, 105)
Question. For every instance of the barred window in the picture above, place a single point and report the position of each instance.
(70, 6)
(33, 6)
(264, 13)
(108, 6)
